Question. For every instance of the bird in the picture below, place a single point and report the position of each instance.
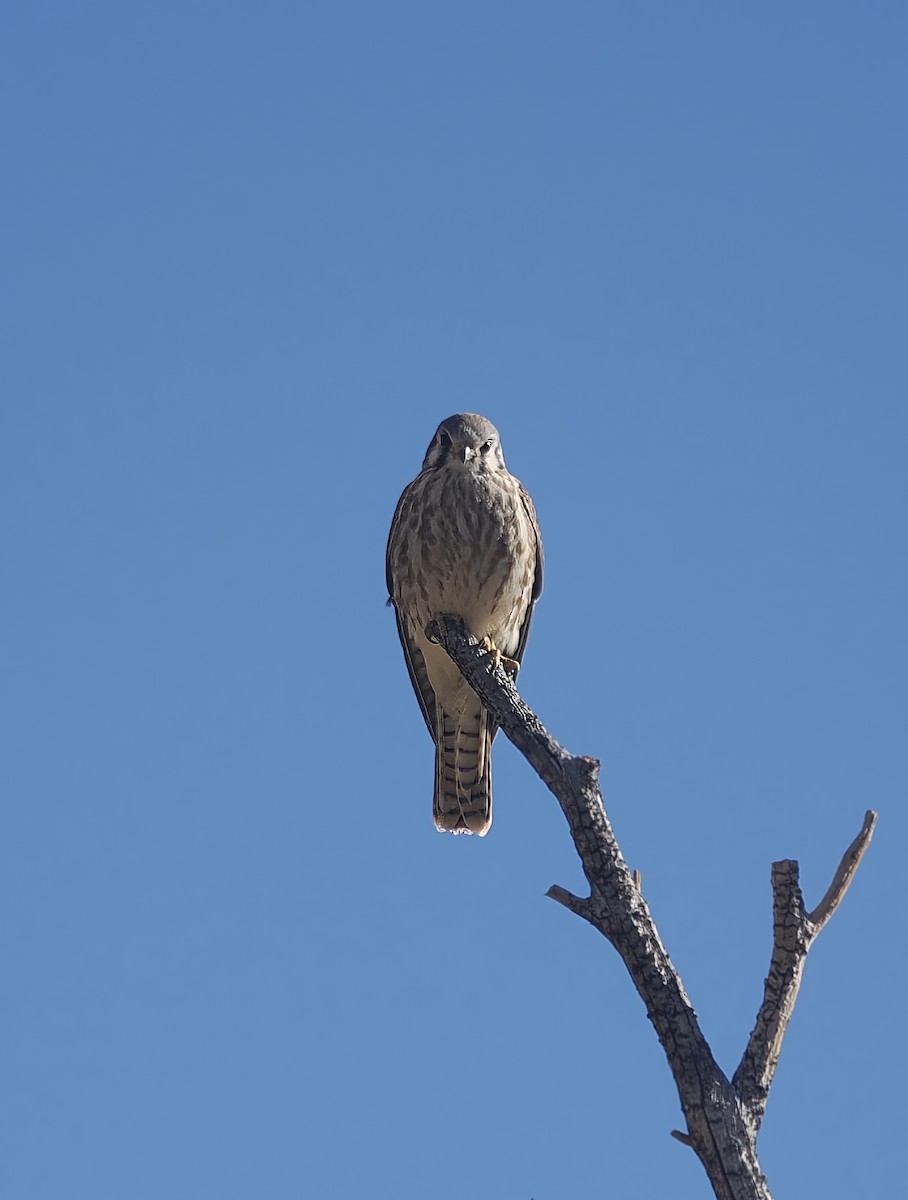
(464, 542)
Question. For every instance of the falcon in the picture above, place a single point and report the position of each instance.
(464, 542)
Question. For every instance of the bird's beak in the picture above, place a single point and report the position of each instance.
(468, 453)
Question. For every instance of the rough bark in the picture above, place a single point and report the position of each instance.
(723, 1116)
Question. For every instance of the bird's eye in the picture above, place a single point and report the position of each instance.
(444, 438)
(487, 446)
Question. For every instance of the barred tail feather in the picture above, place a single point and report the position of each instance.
(463, 789)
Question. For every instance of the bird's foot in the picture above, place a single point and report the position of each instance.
(511, 665)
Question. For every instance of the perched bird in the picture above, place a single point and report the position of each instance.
(464, 542)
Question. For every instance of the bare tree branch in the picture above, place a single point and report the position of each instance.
(794, 930)
(723, 1117)
(841, 881)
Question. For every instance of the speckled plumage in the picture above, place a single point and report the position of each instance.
(464, 542)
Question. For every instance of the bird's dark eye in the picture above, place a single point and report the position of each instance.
(444, 438)
(487, 446)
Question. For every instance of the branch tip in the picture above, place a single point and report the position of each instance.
(569, 900)
(683, 1138)
(845, 872)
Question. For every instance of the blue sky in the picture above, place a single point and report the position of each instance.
(251, 256)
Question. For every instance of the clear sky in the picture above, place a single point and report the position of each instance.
(251, 256)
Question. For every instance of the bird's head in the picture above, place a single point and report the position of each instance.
(467, 441)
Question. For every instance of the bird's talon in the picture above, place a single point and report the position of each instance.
(498, 659)
(490, 648)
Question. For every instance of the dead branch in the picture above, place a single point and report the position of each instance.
(794, 931)
(723, 1116)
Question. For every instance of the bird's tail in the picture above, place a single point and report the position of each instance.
(463, 789)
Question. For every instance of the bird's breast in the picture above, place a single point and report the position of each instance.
(469, 551)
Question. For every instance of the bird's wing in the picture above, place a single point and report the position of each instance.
(416, 664)
(530, 509)
(419, 676)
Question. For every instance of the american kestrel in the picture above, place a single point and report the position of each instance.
(464, 542)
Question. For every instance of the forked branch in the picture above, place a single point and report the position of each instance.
(723, 1116)
(794, 931)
